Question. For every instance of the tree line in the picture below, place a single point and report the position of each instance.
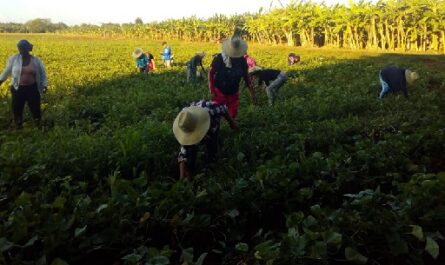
(402, 25)
(38, 25)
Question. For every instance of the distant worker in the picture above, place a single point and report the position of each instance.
(292, 58)
(274, 79)
(199, 123)
(250, 61)
(151, 62)
(28, 83)
(394, 79)
(192, 67)
(141, 60)
(227, 70)
(166, 55)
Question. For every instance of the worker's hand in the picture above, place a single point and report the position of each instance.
(45, 89)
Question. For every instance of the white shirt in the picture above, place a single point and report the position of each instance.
(14, 68)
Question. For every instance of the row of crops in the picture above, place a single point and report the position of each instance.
(328, 175)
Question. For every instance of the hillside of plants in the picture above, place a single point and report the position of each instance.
(328, 175)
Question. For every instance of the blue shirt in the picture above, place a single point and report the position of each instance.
(166, 53)
(395, 78)
(142, 61)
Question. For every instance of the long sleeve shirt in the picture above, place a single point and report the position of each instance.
(14, 69)
(395, 78)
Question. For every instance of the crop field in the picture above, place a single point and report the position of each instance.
(328, 175)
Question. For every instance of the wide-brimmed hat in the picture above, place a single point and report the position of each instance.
(137, 52)
(191, 125)
(201, 53)
(235, 47)
(254, 69)
(411, 76)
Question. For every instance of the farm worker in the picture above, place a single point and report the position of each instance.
(273, 79)
(151, 62)
(394, 79)
(192, 66)
(166, 55)
(141, 60)
(226, 71)
(28, 82)
(250, 61)
(199, 124)
(292, 59)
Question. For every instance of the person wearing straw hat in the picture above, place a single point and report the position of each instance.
(141, 60)
(274, 79)
(227, 70)
(394, 79)
(192, 66)
(199, 123)
(28, 83)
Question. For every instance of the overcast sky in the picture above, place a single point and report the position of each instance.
(103, 11)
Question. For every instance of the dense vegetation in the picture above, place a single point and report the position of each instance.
(329, 175)
(404, 25)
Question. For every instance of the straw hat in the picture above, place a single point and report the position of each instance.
(201, 53)
(254, 69)
(137, 52)
(411, 76)
(235, 47)
(191, 125)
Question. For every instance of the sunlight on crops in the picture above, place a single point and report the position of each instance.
(329, 173)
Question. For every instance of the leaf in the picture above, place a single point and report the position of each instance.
(59, 202)
(201, 258)
(31, 241)
(243, 247)
(159, 260)
(5, 245)
(59, 261)
(417, 232)
(132, 258)
(101, 207)
(80, 231)
(187, 255)
(333, 238)
(431, 247)
(23, 199)
(354, 256)
(240, 156)
(233, 213)
(294, 219)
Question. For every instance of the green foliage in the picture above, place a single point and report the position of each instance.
(328, 174)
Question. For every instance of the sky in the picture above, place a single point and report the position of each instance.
(72, 12)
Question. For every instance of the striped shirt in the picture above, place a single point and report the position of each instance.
(215, 111)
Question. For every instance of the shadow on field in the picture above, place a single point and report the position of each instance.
(326, 116)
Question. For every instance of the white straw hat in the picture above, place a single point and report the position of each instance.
(411, 76)
(137, 52)
(235, 47)
(191, 125)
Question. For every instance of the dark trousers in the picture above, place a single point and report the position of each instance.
(211, 144)
(25, 94)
